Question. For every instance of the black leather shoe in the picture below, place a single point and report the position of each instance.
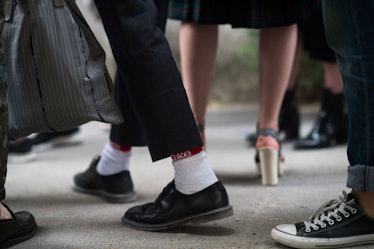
(13, 231)
(117, 188)
(172, 209)
(325, 132)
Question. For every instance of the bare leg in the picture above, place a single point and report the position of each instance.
(333, 78)
(277, 53)
(366, 201)
(296, 64)
(198, 46)
(4, 213)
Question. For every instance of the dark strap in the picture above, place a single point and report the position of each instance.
(8, 9)
(200, 127)
(268, 132)
(58, 3)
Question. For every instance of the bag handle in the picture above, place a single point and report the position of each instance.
(9, 6)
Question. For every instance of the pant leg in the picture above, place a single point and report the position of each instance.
(3, 112)
(349, 29)
(153, 81)
(162, 13)
(130, 133)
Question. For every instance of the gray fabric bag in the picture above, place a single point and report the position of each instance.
(56, 73)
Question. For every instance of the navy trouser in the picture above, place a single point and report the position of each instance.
(151, 89)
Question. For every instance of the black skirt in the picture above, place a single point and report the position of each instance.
(240, 13)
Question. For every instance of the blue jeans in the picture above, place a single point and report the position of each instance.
(349, 28)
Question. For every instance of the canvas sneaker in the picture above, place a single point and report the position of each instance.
(338, 223)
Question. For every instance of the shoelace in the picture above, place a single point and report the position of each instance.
(330, 209)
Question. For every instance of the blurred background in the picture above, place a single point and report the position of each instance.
(236, 70)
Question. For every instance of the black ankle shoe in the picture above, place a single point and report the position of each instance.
(330, 126)
(117, 188)
(325, 132)
(13, 231)
(172, 209)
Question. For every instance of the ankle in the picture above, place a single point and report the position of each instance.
(4, 213)
(366, 201)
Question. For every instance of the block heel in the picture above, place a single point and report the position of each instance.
(268, 156)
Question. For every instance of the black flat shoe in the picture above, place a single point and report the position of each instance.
(116, 188)
(13, 231)
(172, 209)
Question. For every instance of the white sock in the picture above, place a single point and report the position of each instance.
(193, 174)
(113, 161)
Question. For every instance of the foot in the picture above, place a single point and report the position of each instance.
(54, 137)
(339, 223)
(268, 156)
(117, 188)
(21, 151)
(17, 228)
(172, 209)
(326, 131)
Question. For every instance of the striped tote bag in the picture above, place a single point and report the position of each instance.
(55, 68)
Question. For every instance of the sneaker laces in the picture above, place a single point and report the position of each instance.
(330, 209)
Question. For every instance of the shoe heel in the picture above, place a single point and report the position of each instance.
(216, 214)
(269, 166)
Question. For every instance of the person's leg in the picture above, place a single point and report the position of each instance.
(154, 82)
(289, 117)
(350, 220)
(4, 213)
(14, 227)
(108, 175)
(276, 56)
(198, 46)
(330, 124)
(332, 77)
(160, 101)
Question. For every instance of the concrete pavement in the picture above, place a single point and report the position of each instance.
(75, 221)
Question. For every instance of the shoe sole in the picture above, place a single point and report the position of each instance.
(310, 243)
(18, 158)
(212, 215)
(12, 242)
(112, 198)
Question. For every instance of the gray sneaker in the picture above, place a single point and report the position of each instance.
(117, 188)
(338, 223)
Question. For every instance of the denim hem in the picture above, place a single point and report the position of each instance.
(361, 178)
